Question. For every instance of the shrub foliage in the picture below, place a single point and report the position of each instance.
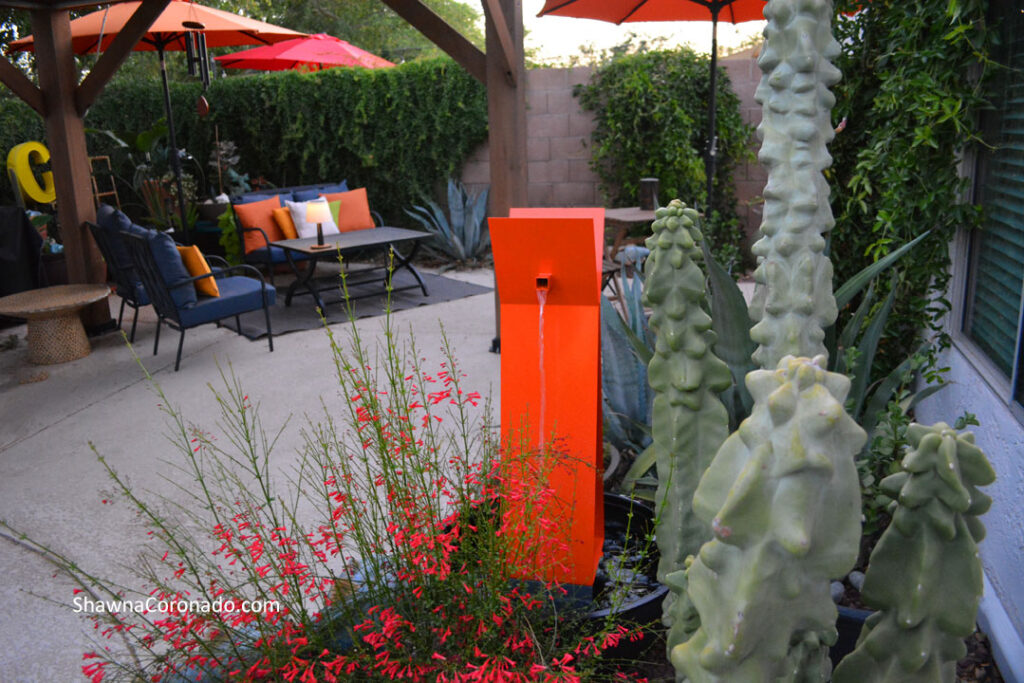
(652, 114)
(396, 131)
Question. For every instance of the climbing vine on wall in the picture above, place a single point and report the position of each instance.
(912, 89)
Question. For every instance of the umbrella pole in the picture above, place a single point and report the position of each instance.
(174, 158)
(709, 164)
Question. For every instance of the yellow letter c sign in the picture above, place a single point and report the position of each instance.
(20, 160)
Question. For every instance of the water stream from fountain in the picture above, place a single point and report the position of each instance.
(542, 298)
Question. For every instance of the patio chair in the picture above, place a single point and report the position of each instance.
(106, 231)
(177, 304)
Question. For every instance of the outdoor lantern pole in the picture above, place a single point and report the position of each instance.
(174, 158)
(709, 165)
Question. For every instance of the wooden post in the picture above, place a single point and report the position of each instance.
(65, 133)
(506, 115)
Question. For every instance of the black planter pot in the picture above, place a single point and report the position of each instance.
(644, 611)
(849, 625)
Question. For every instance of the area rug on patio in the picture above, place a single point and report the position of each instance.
(301, 315)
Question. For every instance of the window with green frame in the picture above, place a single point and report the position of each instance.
(993, 311)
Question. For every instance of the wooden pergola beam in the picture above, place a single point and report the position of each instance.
(506, 109)
(112, 58)
(20, 85)
(440, 32)
(497, 23)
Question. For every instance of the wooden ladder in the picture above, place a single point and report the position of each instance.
(109, 173)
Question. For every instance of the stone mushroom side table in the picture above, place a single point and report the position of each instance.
(55, 332)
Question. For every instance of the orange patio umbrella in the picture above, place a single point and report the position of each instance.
(620, 11)
(311, 53)
(178, 27)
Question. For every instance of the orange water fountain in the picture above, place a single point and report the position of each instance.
(548, 269)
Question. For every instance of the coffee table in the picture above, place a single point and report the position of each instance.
(357, 241)
(55, 332)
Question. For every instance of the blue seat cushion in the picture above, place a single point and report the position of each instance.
(277, 255)
(168, 260)
(136, 295)
(237, 295)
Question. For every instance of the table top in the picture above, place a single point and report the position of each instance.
(52, 299)
(355, 239)
(629, 214)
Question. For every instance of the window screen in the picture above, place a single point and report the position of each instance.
(994, 302)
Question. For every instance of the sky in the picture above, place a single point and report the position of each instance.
(559, 38)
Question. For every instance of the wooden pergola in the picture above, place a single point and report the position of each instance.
(63, 102)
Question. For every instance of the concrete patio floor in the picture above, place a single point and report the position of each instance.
(52, 487)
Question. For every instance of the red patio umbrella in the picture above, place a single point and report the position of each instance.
(311, 53)
(175, 29)
(619, 11)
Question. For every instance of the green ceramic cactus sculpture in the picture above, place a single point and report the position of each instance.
(783, 499)
(688, 420)
(793, 301)
(924, 575)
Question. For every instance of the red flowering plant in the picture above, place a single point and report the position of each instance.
(385, 555)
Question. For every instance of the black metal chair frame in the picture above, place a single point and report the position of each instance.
(160, 292)
(124, 276)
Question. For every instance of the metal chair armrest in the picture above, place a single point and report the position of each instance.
(266, 240)
(213, 258)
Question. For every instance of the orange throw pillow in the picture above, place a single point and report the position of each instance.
(258, 215)
(283, 218)
(354, 212)
(195, 264)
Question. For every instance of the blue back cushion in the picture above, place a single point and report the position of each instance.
(305, 195)
(168, 260)
(314, 192)
(331, 189)
(113, 221)
(250, 198)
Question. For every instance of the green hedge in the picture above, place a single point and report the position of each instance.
(398, 132)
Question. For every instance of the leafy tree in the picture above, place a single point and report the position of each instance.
(370, 24)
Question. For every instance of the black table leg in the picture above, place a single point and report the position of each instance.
(406, 262)
(303, 278)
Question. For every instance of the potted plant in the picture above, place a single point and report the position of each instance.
(224, 160)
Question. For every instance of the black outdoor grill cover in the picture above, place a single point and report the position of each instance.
(20, 246)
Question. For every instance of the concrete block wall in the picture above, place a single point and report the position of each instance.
(558, 142)
(749, 178)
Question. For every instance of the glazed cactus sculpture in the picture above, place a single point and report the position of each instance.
(783, 500)
(924, 575)
(688, 422)
(793, 301)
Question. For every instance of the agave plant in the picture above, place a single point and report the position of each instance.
(627, 345)
(460, 234)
